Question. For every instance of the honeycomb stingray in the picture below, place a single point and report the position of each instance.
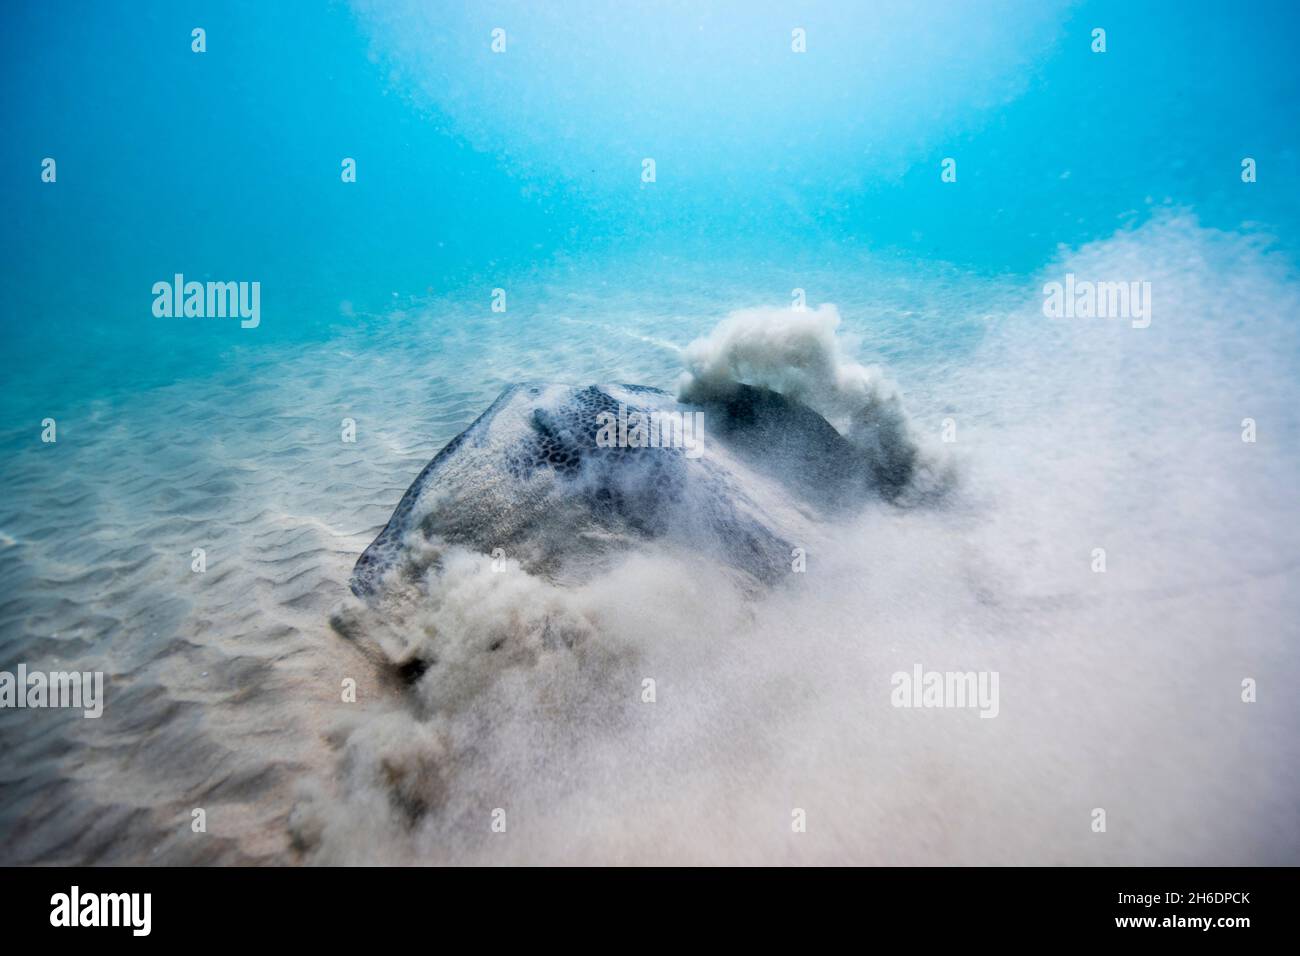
(736, 480)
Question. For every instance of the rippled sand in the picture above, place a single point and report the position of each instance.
(219, 684)
(223, 687)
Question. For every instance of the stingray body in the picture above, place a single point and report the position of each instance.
(531, 480)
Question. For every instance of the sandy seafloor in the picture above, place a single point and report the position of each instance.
(1119, 690)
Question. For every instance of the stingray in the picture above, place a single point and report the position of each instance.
(535, 480)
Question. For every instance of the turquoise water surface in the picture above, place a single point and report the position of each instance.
(523, 169)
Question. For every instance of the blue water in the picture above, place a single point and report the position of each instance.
(481, 170)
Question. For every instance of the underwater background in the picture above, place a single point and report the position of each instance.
(775, 171)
